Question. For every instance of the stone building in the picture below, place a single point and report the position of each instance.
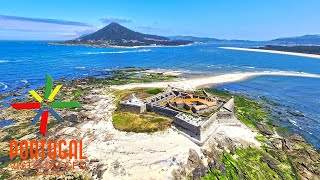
(133, 105)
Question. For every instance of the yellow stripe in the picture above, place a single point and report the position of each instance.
(35, 95)
(54, 92)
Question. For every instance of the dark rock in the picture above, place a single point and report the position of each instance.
(263, 129)
(272, 163)
(277, 143)
(222, 169)
(72, 118)
(296, 137)
(174, 159)
(99, 170)
(194, 160)
(226, 143)
(211, 165)
(295, 113)
(199, 172)
(274, 124)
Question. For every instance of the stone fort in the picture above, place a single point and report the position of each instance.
(195, 116)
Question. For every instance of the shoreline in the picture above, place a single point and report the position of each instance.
(196, 82)
(273, 52)
(118, 47)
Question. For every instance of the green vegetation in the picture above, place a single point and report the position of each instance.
(145, 122)
(127, 76)
(154, 91)
(250, 111)
(252, 164)
(220, 93)
(298, 49)
(136, 122)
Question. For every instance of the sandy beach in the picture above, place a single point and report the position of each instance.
(193, 83)
(273, 51)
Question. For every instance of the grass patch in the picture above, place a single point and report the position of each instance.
(140, 123)
(260, 138)
(154, 91)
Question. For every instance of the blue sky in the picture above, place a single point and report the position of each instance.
(227, 19)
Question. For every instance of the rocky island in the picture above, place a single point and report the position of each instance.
(116, 35)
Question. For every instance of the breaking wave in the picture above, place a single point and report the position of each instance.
(3, 86)
(4, 61)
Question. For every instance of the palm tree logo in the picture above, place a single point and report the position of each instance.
(44, 111)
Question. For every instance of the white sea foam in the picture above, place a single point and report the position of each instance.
(4, 61)
(3, 86)
(250, 67)
(80, 67)
(8, 61)
(295, 124)
(119, 52)
(24, 81)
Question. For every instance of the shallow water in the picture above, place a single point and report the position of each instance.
(4, 123)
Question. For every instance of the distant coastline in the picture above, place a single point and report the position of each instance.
(273, 52)
(112, 46)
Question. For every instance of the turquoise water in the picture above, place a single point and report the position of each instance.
(27, 63)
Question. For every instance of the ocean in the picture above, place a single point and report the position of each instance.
(26, 63)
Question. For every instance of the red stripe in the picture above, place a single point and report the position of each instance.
(29, 105)
(44, 122)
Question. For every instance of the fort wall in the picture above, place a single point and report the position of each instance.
(163, 110)
(132, 107)
(189, 129)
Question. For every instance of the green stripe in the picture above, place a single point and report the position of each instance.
(48, 87)
(65, 104)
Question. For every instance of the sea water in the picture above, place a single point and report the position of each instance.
(26, 63)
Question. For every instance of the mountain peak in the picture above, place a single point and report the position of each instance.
(114, 24)
(115, 34)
